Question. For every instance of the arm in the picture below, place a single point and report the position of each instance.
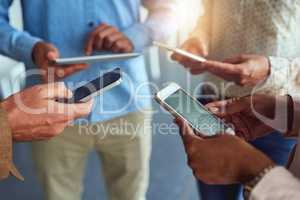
(34, 114)
(160, 24)
(203, 27)
(13, 43)
(279, 183)
(198, 41)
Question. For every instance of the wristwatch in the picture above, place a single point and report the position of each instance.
(249, 186)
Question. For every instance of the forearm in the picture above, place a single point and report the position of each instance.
(203, 27)
(159, 25)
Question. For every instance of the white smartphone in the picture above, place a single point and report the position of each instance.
(180, 51)
(93, 59)
(180, 104)
(96, 87)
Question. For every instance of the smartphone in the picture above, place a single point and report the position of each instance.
(96, 87)
(180, 52)
(180, 104)
(93, 59)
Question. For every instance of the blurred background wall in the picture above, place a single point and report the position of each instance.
(170, 178)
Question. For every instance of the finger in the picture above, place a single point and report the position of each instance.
(62, 72)
(193, 65)
(55, 90)
(102, 36)
(78, 110)
(39, 133)
(52, 54)
(187, 133)
(122, 46)
(229, 107)
(111, 39)
(176, 57)
(197, 71)
(88, 49)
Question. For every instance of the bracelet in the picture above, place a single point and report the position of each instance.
(249, 186)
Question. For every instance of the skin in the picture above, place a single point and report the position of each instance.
(50, 117)
(107, 38)
(193, 45)
(244, 70)
(224, 159)
(44, 54)
(245, 114)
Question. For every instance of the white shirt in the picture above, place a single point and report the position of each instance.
(265, 27)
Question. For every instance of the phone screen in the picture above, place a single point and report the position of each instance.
(96, 85)
(196, 114)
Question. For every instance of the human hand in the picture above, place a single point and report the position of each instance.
(254, 116)
(223, 159)
(244, 70)
(34, 113)
(108, 38)
(44, 54)
(194, 46)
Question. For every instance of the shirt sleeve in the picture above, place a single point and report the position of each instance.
(14, 43)
(279, 184)
(6, 162)
(160, 24)
(284, 77)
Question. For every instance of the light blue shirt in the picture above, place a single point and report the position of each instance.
(67, 23)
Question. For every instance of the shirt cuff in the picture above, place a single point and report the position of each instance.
(24, 46)
(140, 36)
(279, 181)
(276, 83)
(6, 162)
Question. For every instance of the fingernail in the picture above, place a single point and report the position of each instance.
(60, 73)
(214, 109)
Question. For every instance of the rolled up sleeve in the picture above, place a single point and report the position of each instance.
(284, 77)
(7, 166)
(279, 184)
(14, 43)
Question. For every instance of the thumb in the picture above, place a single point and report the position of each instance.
(229, 107)
(186, 132)
(52, 53)
(55, 90)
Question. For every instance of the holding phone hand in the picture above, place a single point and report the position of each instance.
(44, 54)
(108, 38)
(194, 46)
(34, 113)
(223, 159)
(248, 114)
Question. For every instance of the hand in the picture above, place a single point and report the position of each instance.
(254, 116)
(223, 159)
(34, 114)
(44, 54)
(194, 46)
(244, 70)
(108, 38)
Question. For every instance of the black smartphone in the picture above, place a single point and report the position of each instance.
(96, 87)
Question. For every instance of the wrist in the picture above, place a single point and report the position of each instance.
(250, 185)
(258, 166)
